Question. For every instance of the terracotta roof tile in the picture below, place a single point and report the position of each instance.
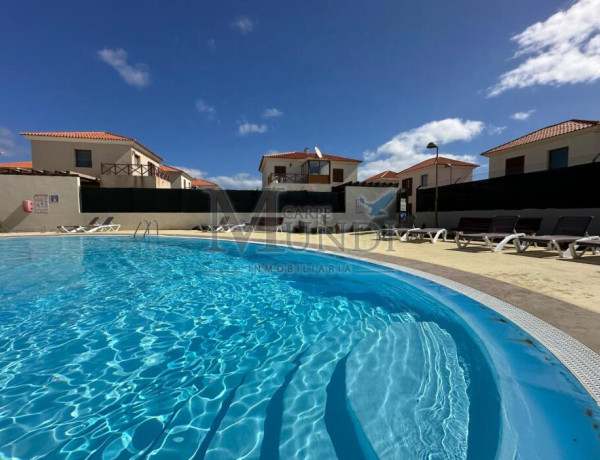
(545, 133)
(203, 183)
(99, 135)
(383, 175)
(442, 160)
(18, 164)
(168, 168)
(92, 135)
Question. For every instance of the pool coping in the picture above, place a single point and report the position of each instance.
(579, 359)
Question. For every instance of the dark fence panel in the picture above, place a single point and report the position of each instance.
(566, 188)
(116, 200)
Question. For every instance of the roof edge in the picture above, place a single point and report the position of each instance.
(594, 123)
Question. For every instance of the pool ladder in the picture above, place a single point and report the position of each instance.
(147, 228)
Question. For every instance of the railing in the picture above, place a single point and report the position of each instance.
(288, 178)
(147, 229)
(128, 169)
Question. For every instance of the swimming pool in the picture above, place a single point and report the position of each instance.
(175, 348)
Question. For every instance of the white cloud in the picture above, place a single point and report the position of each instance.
(10, 144)
(409, 147)
(246, 128)
(495, 129)
(135, 75)
(272, 113)
(522, 116)
(242, 181)
(211, 43)
(563, 49)
(244, 25)
(203, 107)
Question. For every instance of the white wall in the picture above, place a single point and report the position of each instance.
(14, 189)
(295, 167)
(583, 147)
(446, 176)
(59, 155)
(357, 197)
(124, 181)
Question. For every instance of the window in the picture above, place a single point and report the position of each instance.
(558, 158)
(407, 185)
(280, 170)
(338, 175)
(319, 168)
(515, 165)
(83, 158)
(424, 180)
(137, 160)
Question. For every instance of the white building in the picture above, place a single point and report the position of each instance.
(422, 175)
(306, 171)
(117, 161)
(570, 143)
(177, 177)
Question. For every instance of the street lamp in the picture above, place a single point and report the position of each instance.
(433, 145)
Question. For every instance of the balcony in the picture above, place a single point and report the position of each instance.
(275, 178)
(288, 178)
(127, 169)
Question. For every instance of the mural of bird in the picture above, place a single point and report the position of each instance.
(376, 207)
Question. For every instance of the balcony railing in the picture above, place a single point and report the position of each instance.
(288, 178)
(127, 169)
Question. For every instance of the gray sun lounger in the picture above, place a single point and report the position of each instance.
(433, 233)
(77, 228)
(568, 229)
(578, 248)
(406, 224)
(501, 230)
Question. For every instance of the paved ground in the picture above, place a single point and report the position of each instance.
(564, 293)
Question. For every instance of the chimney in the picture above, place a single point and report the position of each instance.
(306, 150)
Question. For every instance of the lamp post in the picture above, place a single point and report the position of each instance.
(433, 145)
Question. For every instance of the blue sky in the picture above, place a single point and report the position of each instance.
(212, 86)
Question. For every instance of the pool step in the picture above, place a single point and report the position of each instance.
(408, 392)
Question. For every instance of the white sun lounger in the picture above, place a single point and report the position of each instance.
(77, 228)
(578, 248)
(568, 230)
(107, 226)
(432, 233)
(224, 225)
(399, 232)
(501, 229)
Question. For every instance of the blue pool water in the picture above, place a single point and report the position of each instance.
(173, 348)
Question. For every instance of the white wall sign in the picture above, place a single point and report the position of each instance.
(40, 204)
(402, 204)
